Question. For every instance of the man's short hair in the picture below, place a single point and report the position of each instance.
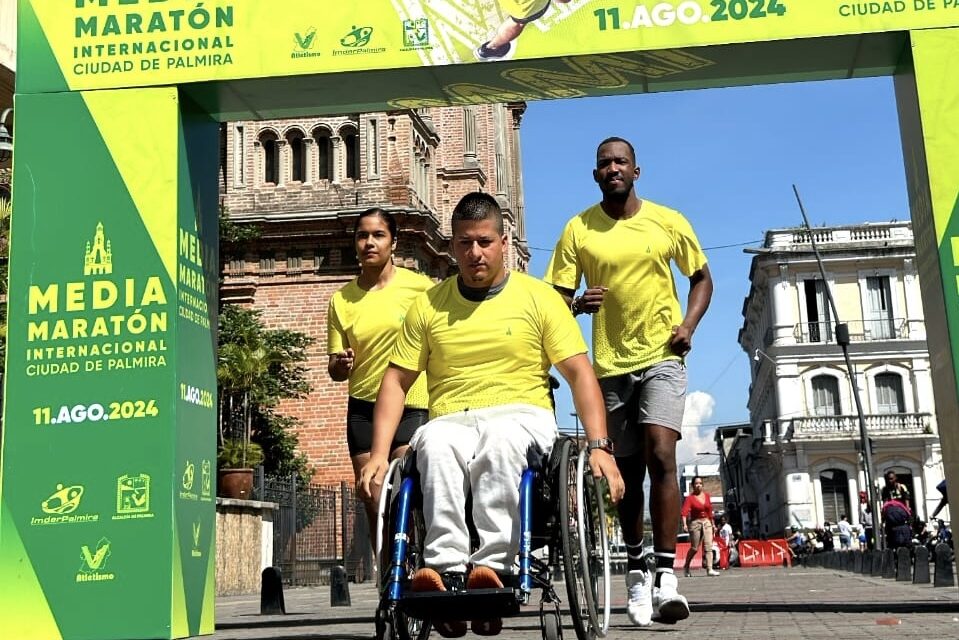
(618, 139)
(478, 206)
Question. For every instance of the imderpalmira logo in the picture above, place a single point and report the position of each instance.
(64, 500)
(98, 257)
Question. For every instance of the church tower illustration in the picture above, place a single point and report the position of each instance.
(98, 259)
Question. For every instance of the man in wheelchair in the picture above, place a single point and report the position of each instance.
(486, 339)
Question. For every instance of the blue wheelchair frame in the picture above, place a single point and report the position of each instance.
(401, 537)
(559, 486)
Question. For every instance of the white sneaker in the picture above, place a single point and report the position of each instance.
(668, 606)
(640, 604)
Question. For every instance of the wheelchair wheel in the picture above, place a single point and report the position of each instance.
(580, 546)
(551, 626)
(591, 518)
(391, 623)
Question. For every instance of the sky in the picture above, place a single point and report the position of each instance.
(727, 159)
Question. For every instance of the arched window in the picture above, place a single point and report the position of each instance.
(889, 397)
(351, 142)
(271, 157)
(324, 149)
(835, 494)
(297, 155)
(825, 396)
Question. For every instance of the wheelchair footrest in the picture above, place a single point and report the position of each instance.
(460, 605)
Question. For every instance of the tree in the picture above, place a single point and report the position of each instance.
(256, 369)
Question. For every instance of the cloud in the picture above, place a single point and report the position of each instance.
(696, 438)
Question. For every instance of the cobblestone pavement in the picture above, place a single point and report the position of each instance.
(778, 603)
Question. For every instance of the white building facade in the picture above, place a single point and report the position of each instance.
(798, 462)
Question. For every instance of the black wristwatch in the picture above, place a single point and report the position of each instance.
(603, 443)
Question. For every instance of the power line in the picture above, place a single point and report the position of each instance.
(736, 356)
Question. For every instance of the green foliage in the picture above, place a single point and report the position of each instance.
(235, 454)
(233, 233)
(256, 369)
(277, 435)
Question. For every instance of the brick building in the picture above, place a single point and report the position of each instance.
(304, 181)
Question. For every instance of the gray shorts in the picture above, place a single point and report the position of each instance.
(654, 395)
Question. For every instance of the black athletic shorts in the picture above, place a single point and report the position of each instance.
(359, 426)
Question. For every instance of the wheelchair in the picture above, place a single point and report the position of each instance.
(562, 509)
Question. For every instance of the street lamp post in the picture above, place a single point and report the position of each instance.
(576, 418)
(842, 339)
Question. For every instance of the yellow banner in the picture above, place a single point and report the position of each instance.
(100, 44)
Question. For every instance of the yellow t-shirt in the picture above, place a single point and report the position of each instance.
(632, 257)
(522, 9)
(490, 353)
(369, 321)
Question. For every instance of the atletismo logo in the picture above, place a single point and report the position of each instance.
(93, 563)
(304, 44)
(196, 552)
(416, 34)
(355, 42)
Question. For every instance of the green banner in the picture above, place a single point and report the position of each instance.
(96, 44)
(108, 443)
(928, 97)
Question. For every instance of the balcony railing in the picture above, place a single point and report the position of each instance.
(859, 330)
(884, 425)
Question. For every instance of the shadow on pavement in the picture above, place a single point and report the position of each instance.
(826, 607)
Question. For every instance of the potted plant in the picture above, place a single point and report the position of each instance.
(235, 461)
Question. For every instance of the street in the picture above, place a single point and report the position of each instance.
(741, 603)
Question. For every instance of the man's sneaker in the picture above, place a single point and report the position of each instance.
(639, 605)
(485, 578)
(668, 606)
(427, 579)
(502, 52)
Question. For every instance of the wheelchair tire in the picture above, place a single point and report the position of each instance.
(385, 515)
(594, 547)
(580, 585)
(391, 623)
(552, 626)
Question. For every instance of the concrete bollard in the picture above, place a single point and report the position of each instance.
(920, 568)
(876, 570)
(339, 587)
(888, 564)
(271, 592)
(944, 576)
(903, 565)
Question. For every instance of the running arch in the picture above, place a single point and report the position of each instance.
(107, 457)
